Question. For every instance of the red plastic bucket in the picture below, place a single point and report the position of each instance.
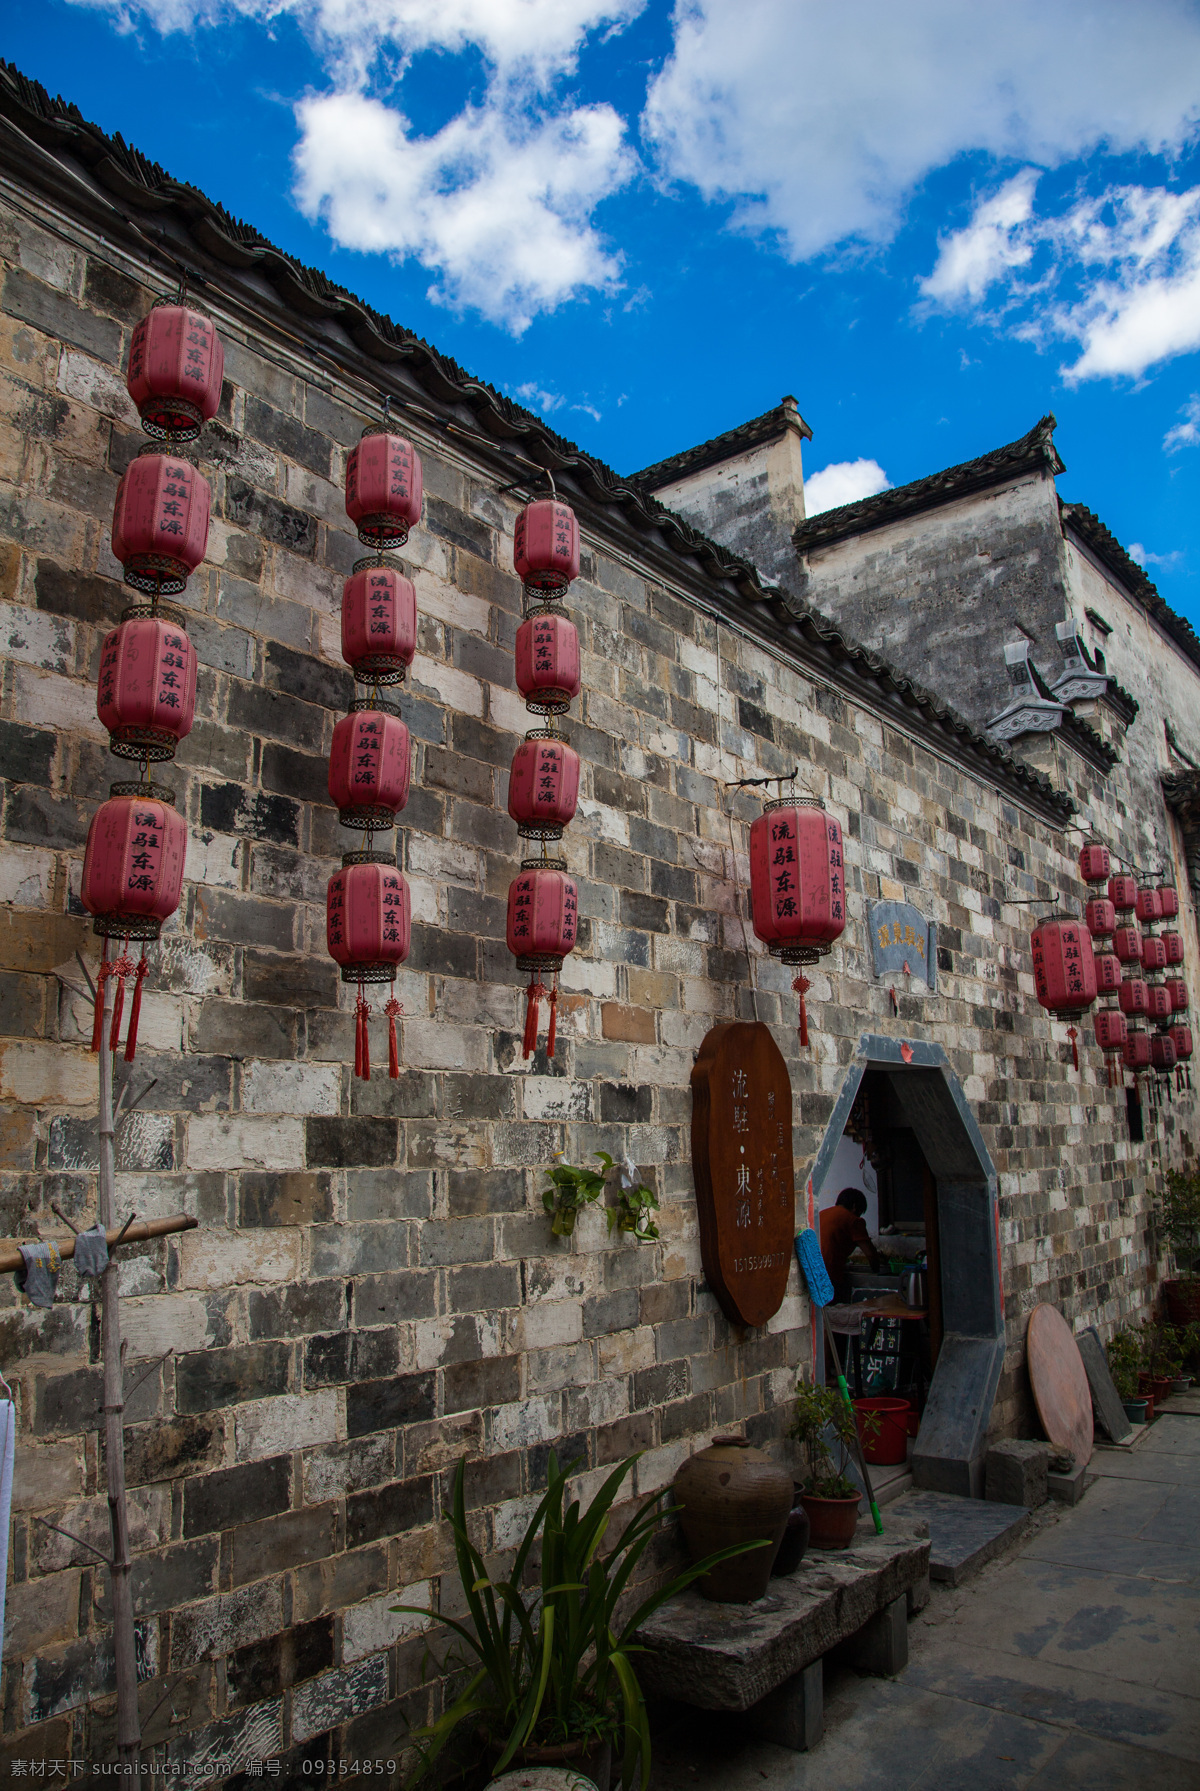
(885, 1440)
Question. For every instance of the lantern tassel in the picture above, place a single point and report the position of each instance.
(393, 1009)
(362, 1038)
(98, 1015)
(122, 968)
(533, 995)
(553, 1032)
(802, 986)
(1073, 1035)
(135, 1010)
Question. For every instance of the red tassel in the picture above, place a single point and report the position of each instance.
(362, 1046)
(135, 1010)
(98, 1015)
(393, 1009)
(533, 995)
(553, 1032)
(122, 968)
(1072, 1034)
(802, 986)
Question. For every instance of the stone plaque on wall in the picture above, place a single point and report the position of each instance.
(903, 940)
(742, 1161)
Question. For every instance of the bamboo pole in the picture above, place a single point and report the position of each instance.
(137, 1233)
(128, 1726)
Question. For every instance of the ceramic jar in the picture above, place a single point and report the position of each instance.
(732, 1492)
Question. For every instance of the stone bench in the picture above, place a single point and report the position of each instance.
(766, 1657)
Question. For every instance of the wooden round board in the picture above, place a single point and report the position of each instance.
(1060, 1384)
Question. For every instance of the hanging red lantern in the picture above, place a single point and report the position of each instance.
(797, 884)
(1154, 953)
(1094, 862)
(160, 522)
(1112, 1030)
(133, 862)
(379, 623)
(1137, 1050)
(548, 674)
(543, 920)
(1134, 995)
(1108, 973)
(383, 488)
(1122, 893)
(1178, 991)
(368, 929)
(1064, 970)
(546, 546)
(1168, 895)
(543, 786)
(1162, 1051)
(1149, 905)
(1181, 1038)
(1158, 1001)
(176, 365)
(1173, 942)
(1127, 943)
(1100, 916)
(369, 765)
(146, 696)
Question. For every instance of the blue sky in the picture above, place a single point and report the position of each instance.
(931, 222)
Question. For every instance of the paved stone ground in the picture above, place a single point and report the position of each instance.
(1071, 1663)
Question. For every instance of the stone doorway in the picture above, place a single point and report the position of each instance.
(949, 1450)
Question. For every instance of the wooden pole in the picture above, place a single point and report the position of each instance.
(11, 1259)
(129, 1740)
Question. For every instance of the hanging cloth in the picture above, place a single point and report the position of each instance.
(39, 1277)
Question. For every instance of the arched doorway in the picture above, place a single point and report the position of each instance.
(949, 1450)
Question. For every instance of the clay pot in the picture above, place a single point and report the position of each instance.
(832, 1522)
(731, 1492)
(795, 1539)
(575, 1764)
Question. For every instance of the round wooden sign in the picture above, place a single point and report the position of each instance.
(1060, 1384)
(742, 1162)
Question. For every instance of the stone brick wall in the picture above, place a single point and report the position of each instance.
(372, 1291)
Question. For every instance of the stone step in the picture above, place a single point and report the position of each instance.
(963, 1533)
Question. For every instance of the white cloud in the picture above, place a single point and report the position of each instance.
(972, 259)
(533, 395)
(497, 204)
(1138, 552)
(1187, 433)
(843, 483)
(818, 120)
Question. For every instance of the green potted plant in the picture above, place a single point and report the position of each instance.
(635, 1203)
(1181, 1227)
(549, 1658)
(1124, 1361)
(823, 1425)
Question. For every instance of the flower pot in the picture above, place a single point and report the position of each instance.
(1160, 1386)
(1135, 1410)
(832, 1522)
(1181, 1384)
(885, 1437)
(790, 1552)
(543, 1778)
(1182, 1299)
(731, 1492)
(586, 1758)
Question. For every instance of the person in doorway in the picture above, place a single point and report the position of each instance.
(843, 1232)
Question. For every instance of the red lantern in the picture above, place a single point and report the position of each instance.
(379, 623)
(1154, 953)
(1149, 905)
(1064, 969)
(133, 862)
(1122, 893)
(383, 488)
(1182, 1038)
(1101, 917)
(176, 364)
(1178, 991)
(1127, 943)
(1108, 973)
(1162, 1051)
(147, 692)
(369, 765)
(1158, 1001)
(797, 884)
(1111, 1032)
(160, 522)
(1168, 895)
(1134, 995)
(1094, 862)
(543, 919)
(368, 927)
(1137, 1050)
(548, 661)
(1174, 947)
(546, 546)
(543, 786)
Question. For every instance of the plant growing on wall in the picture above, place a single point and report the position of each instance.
(1181, 1219)
(635, 1204)
(823, 1425)
(572, 1188)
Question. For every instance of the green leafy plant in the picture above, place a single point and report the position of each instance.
(822, 1424)
(550, 1659)
(1163, 1350)
(571, 1190)
(1125, 1358)
(1181, 1219)
(634, 1205)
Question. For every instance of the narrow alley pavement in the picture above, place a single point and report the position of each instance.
(1070, 1664)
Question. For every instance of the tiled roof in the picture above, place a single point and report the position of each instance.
(1034, 452)
(767, 428)
(1108, 550)
(175, 225)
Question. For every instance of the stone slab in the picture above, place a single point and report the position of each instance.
(728, 1656)
(1106, 1401)
(963, 1533)
(1069, 1488)
(1015, 1472)
(793, 1715)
